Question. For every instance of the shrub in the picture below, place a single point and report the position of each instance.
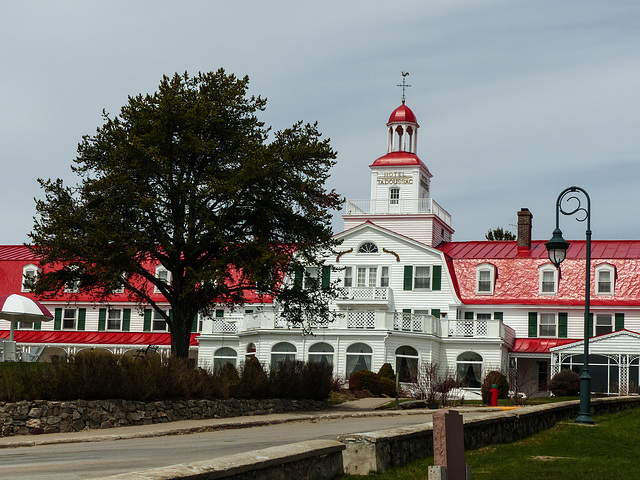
(565, 383)
(494, 378)
(386, 387)
(364, 380)
(386, 371)
(254, 382)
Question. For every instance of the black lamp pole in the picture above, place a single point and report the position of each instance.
(557, 248)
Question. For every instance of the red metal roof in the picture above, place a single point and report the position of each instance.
(93, 338)
(600, 249)
(538, 345)
(15, 252)
(394, 159)
(402, 114)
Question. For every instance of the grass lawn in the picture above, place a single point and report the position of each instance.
(567, 451)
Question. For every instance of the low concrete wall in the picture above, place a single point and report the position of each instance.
(312, 460)
(375, 451)
(36, 417)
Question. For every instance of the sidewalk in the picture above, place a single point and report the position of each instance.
(360, 407)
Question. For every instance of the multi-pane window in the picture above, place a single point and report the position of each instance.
(548, 278)
(548, 325)
(394, 196)
(29, 277)
(604, 279)
(311, 279)
(485, 274)
(483, 316)
(368, 247)
(348, 277)
(159, 323)
(72, 286)
(422, 277)
(163, 276)
(384, 276)
(69, 319)
(114, 321)
(604, 324)
(366, 276)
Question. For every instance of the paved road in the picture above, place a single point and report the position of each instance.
(94, 459)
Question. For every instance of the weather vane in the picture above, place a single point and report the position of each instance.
(404, 84)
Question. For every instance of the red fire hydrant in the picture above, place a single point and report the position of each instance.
(494, 395)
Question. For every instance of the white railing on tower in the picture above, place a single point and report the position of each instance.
(401, 206)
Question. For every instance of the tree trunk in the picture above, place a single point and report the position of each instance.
(180, 334)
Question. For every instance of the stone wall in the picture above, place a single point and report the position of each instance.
(39, 416)
(376, 451)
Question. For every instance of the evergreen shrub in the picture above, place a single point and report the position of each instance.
(494, 378)
(565, 383)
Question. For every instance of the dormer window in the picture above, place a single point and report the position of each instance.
(548, 280)
(485, 279)
(30, 277)
(368, 247)
(605, 279)
(163, 275)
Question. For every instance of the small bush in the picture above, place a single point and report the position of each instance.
(386, 371)
(497, 378)
(386, 387)
(364, 380)
(565, 383)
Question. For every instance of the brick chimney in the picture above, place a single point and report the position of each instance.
(524, 231)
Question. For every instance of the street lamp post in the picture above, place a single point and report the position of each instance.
(557, 249)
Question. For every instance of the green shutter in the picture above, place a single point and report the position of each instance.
(533, 324)
(219, 313)
(437, 278)
(57, 322)
(435, 312)
(468, 315)
(102, 320)
(147, 320)
(126, 319)
(326, 276)
(82, 316)
(619, 321)
(37, 325)
(408, 277)
(562, 325)
(297, 282)
(497, 315)
(194, 324)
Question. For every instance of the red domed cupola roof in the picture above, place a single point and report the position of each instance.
(402, 114)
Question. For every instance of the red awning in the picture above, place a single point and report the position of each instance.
(93, 338)
(539, 345)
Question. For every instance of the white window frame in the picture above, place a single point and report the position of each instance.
(72, 317)
(114, 315)
(385, 276)
(30, 275)
(366, 276)
(160, 275)
(416, 277)
(348, 277)
(601, 269)
(548, 320)
(311, 279)
(548, 269)
(601, 320)
(394, 195)
(157, 317)
(372, 246)
(485, 268)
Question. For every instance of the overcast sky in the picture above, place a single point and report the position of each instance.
(515, 100)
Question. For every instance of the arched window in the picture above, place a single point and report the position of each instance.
(368, 247)
(30, 276)
(224, 355)
(469, 369)
(548, 279)
(485, 279)
(605, 279)
(359, 356)
(283, 352)
(407, 363)
(321, 352)
(251, 351)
